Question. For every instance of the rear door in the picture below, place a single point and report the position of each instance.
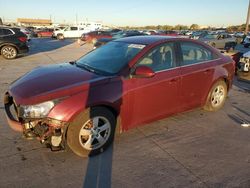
(197, 69)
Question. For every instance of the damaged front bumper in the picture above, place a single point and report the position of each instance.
(48, 131)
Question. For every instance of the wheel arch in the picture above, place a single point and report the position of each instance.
(9, 44)
(223, 78)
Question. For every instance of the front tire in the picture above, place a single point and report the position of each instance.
(9, 52)
(216, 97)
(92, 132)
(60, 37)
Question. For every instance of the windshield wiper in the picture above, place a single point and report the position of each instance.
(87, 67)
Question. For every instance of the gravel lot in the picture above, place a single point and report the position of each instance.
(193, 149)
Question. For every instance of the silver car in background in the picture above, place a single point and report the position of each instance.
(220, 41)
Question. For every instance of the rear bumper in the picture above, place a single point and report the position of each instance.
(23, 49)
(13, 123)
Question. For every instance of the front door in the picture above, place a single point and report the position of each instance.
(155, 97)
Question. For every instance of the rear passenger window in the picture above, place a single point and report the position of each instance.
(7, 32)
(193, 53)
(73, 28)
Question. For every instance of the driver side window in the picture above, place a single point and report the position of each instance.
(160, 58)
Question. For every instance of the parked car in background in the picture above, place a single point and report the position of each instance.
(246, 42)
(220, 41)
(243, 67)
(118, 35)
(45, 32)
(198, 34)
(240, 36)
(70, 32)
(244, 63)
(93, 36)
(113, 31)
(27, 32)
(167, 33)
(124, 84)
(12, 42)
(188, 33)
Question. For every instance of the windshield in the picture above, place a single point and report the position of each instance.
(210, 36)
(118, 35)
(110, 58)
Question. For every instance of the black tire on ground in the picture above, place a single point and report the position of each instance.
(73, 133)
(217, 92)
(9, 52)
(60, 36)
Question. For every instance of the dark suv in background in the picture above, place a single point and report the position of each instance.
(12, 42)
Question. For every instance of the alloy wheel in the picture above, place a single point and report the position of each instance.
(95, 133)
(9, 52)
(218, 96)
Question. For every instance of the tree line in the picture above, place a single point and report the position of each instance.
(185, 27)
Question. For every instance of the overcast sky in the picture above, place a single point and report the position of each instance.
(130, 12)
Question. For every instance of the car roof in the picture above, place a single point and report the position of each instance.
(146, 40)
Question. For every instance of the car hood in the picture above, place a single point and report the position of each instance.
(53, 82)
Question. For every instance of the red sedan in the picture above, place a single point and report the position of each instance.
(45, 33)
(93, 36)
(123, 84)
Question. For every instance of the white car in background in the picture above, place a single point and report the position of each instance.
(70, 32)
(27, 32)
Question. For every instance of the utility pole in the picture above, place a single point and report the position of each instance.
(248, 15)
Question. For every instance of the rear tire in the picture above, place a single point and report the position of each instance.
(9, 52)
(216, 97)
(92, 132)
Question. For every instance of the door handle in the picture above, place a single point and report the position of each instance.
(173, 80)
(207, 71)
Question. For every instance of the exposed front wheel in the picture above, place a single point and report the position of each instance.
(9, 52)
(60, 37)
(92, 132)
(216, 97)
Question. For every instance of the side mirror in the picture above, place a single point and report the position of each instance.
(143, 72)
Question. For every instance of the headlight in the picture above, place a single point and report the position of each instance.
(38, 110)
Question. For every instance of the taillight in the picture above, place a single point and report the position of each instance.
(22, 39)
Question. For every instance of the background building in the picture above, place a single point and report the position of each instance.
(34, 22)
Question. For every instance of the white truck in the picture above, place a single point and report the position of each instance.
(70, 32)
